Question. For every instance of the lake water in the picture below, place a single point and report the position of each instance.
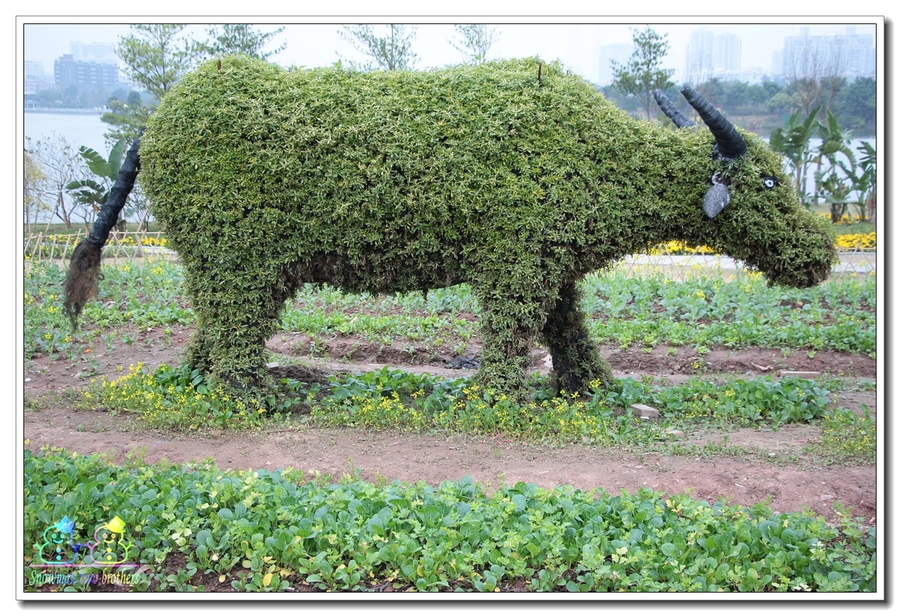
(78, 129)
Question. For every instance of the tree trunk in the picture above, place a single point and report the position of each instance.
(872, 207)
(837, 212)
(61, 209)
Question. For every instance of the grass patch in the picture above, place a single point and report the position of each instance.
(846, 439)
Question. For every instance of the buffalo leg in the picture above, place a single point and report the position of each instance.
(233, 326)
(508, 331)
(576, 360)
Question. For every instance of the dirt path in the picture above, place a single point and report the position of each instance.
(767, 464)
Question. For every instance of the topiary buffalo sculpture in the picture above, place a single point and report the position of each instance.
(516, 177)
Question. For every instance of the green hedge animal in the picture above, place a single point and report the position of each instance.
(516, 177)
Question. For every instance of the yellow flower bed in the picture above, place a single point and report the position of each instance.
(153, 241)
(863, 241)
(846, 219)
(676, 247)
(129, 240)
(847, 241)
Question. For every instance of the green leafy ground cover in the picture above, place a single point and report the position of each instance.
(270, 531)
(701, 311)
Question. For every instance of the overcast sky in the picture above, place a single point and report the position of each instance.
(576, 43)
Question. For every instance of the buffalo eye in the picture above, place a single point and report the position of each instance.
(769, 182)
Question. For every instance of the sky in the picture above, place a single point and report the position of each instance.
(576, 43)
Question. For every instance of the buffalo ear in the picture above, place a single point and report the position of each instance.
(717, 197)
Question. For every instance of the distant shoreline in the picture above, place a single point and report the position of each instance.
(66, 111)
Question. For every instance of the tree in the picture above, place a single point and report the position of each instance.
(642, 73)
(390, 53)
(126, 117)
(241, 38)
(61, 164)
(34, 191)
(771, 87)
(857, 103)
(157, 55)
(781, 102)
(474, 41)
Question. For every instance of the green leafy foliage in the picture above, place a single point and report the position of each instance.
(398, 400)
(516, 177)
(701, 311)
(271, 530)
(89, 191)
(705, 311)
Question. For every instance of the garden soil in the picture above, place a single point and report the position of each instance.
(751, 466)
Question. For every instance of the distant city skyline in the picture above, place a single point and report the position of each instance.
(579, 46)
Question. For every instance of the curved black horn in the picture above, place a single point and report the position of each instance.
(668, 108)
(730, 142)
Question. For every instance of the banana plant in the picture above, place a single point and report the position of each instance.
(861, 177)
(865, 183)
(835, 187)
(91, 192)
(793, 142)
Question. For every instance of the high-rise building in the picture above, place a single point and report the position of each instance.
(848, 55)
(69, 72)
(619, 52)
(699, 65)
(104, 53)
(35, 77)
(33, 69)
(713, 55)
(727, 54)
